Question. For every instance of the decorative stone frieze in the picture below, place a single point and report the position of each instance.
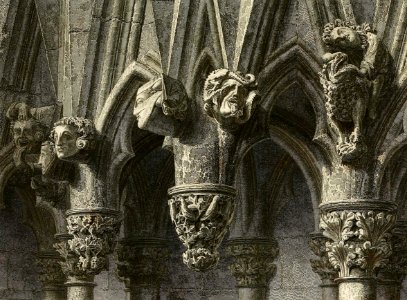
(353, 77)
(202, 214)
(91, 237)
(229, 97)
(321, 266)
(142, 261)
(253, 261)
(359, 236)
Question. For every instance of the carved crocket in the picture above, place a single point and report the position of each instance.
(353, 75)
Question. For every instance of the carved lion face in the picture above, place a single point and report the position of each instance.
(65, 137)
(345, 37)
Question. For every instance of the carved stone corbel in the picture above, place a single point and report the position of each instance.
(202, 214)
(353, 77)
(202, 201)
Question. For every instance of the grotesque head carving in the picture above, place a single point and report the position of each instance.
(228, 97)
(27, 131)
(345, 36)
(73, 138)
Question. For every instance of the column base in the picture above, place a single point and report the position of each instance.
(354, 288)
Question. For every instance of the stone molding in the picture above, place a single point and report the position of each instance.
(202, 214)
(253, 261)
(359, 239)
(91, 237)
(142, 261)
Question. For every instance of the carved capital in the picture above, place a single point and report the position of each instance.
(253, 261)
(358, 239)
(396, 268)
(321, 266)
(202, 214)
(91, 237)
(142, 261)
(50, 271)
(229, 97)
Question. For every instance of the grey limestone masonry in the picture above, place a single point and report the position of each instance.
(193, 150)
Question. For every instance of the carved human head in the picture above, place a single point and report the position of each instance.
(228, 97)
(344, 35)
(28, 132)
(160, 105)
(73, 138)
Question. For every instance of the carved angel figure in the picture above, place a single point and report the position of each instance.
(229, 97)
(352, 76)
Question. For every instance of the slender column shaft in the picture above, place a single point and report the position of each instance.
(329, 290)
(80, 289)
(255, 293)
(145, 293)
(351, 288)
(54, 294)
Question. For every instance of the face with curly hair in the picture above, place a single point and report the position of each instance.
(345, 37)
(65, 137)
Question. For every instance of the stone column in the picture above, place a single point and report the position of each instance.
(359, 234)
(203, 137)
(142, 266)
(85, 249)
(253, 267)
(323, 267)
(51, 276)
(392, 275)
